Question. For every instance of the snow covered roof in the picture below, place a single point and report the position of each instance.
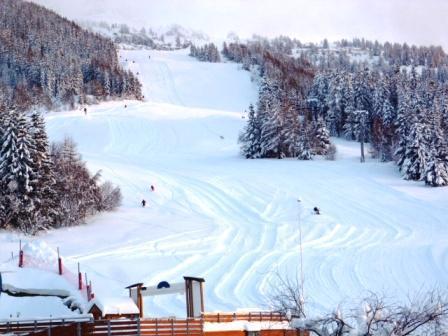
(114, 306)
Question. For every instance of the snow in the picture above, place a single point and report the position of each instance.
(35, 281)
(244, 325)
(114, 306)
(229, 220)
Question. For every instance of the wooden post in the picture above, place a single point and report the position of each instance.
(188, 328)
(79, 277)
(172, 327)
(157, 328)
(108, 327)
(59, 263)
(140, 299)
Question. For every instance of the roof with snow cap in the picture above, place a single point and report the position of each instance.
(114, 306)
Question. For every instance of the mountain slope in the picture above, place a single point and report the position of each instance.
(233, 221)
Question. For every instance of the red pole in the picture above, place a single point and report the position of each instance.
(87, 288)
(91, 295)
(79, 278)
(59, 263)
(20, 258)
(20, 254)
(88, 292)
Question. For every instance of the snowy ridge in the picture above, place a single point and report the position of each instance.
(235, 221)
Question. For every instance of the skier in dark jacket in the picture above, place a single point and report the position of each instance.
(152, 188)
(316, 211)
(143, 203)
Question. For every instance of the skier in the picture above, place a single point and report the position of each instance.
(85, 110)
(143, 203)
(316, 211)
(125, 106)
(152, 188)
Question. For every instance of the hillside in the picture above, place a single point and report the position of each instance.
(162, 38)
(233, 221)
(49, 61)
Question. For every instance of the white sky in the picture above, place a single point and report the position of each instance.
(413, 21)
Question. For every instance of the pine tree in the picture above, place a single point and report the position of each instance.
(251, 136)
(16, 173)
(415, 160)
(436, 173)
(304, 148)
(271, 132)
(350, 125)
(321, 138)
(402, 127)
(44, 185)
(291, 130)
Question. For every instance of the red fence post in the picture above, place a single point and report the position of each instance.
(60, 266)
(79, 278)
(20, 254)
(20, 258)
(91, 295)
(59, 263)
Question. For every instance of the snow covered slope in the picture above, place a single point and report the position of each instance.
(233, 221)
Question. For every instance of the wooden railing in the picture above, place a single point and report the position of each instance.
(33, 327)
(249, 316)
(148, 327)
(86, 326)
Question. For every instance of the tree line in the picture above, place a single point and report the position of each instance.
(47, 60)
(400, 110)
(206, 53)
(280, 125)
(45, 185)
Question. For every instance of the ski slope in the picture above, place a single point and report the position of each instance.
(233, 221)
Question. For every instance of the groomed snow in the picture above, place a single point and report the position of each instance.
(234, 221)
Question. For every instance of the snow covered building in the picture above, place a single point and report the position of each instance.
(113, 308)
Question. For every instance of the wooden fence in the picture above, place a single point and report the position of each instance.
(148, 327)
(125, 327)
(249, 316)
(54, 327)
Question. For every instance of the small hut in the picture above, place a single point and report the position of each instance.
(113, 308)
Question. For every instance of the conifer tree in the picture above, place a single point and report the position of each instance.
(16, 173)
(321, 138)
(251, 136)
(436, 173)
(44, 185)
(415, 160)
(304, 148)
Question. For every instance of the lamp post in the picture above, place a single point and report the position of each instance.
(299, 201)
